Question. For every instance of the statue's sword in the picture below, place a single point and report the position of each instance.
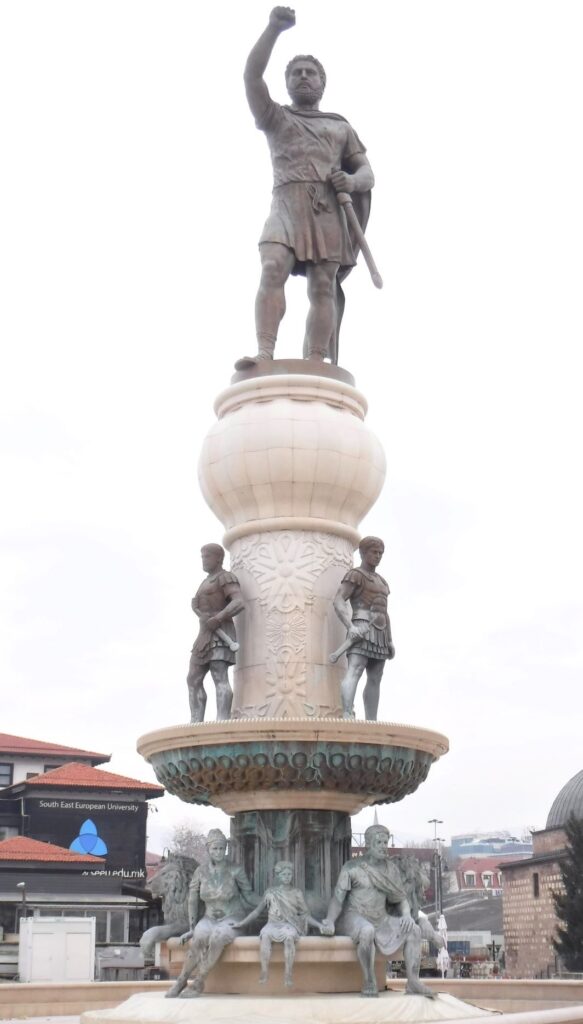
(345, 203)
(231, 644)
(361, 618)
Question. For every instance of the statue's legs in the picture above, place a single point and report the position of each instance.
(276, 265)
(365, 950)
(264, 955)
(159, 933)
(195, 955)
(196, 691)
(356, 666)
(289, 955)
(412, 957)
(321, 323)
(220, 938)
(372, 690)
(219, 673)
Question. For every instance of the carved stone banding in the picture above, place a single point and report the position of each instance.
(308, 523)
(295, 386)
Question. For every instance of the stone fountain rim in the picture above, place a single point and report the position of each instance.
(252, 730)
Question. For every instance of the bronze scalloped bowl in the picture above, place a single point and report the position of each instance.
(320, 763)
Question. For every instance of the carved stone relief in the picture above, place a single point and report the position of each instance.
(283, 668)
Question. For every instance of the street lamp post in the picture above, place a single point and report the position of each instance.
(22, 887)
(494, 949)
(437, 866)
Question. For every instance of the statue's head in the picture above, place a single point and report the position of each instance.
(371, 549)
(305, 79)
(212, 557)
(216, 844)
(376, 839)
(284, 871)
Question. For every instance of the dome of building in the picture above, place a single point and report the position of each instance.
(568, 801)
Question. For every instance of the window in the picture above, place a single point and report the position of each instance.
(51, 767)
(6, 774)
(469, 879)
(100, 924)
(136, 927)
(535, 885)
(487, 879)
(117, 926)
(458, 947)
(7, 833)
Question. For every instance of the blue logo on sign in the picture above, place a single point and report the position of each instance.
(88, 841)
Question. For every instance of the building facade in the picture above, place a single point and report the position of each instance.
(528, 908)
(73, 838)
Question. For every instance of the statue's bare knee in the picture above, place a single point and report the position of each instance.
(366, 937)
(276, 265)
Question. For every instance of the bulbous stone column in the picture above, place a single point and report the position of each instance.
(290, 469)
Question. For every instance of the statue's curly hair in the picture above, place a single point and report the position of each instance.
(369, 542)
(313, 60)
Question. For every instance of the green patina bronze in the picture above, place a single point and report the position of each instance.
(199, 774)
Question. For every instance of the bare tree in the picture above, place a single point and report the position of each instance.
(187, 842)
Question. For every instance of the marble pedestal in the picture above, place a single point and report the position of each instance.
(321, 965)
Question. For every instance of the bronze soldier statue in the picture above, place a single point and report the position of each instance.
(216, 602)
(315, 156)
(361, 604)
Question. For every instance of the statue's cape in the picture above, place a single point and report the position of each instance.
(361, 202)
(382, 881)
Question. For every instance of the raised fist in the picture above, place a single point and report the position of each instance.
(282, 18)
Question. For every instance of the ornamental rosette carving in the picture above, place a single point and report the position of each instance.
(286, 564)
(286, 631)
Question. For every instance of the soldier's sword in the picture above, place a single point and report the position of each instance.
(345, 203)
(231, 644)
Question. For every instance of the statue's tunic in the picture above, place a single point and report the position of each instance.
(223, 894)
(306, 146)
(287, 914)
(370, 595)
(211, 597)
(369, 888)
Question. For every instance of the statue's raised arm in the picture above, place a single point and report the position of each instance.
(280, 19)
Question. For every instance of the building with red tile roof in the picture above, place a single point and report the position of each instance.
(82, 776)
(75, 835)
(481, 872)
(21, 757)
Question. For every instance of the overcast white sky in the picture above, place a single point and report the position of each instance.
(133, 188)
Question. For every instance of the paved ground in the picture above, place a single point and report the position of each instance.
(40, 1020)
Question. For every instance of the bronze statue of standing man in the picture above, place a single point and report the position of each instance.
(315, 156)
(216, 602)
(361, 604)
